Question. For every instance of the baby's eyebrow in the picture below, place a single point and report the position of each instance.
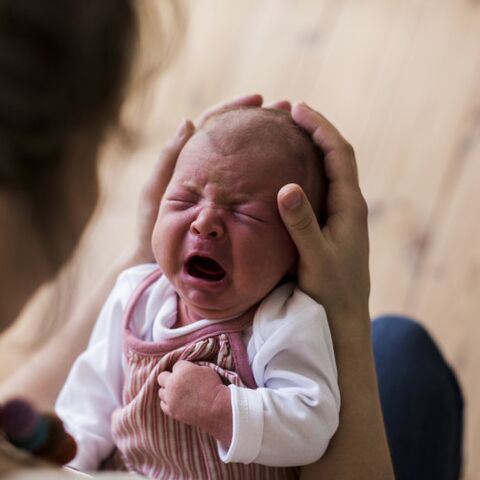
(191, 187)
(223, 196)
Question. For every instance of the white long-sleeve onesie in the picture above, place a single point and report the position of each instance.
(287, 421)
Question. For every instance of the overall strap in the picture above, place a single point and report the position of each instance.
(137, 293)
(240, 356)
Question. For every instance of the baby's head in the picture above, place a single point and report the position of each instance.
(219, 237)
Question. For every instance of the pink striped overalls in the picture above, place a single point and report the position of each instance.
(158, 446)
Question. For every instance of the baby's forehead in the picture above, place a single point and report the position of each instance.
(249, 165)
(241, 159)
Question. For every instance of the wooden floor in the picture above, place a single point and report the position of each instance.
(401, 80)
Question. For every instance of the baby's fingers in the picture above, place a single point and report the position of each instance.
(163, 378)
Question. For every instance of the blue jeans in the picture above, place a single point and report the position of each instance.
(421, 401)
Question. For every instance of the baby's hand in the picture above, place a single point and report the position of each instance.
(196, 396)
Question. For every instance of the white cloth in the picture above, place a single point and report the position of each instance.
(287, 421)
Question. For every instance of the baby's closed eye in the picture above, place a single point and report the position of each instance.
(249, 215)
(180, 202)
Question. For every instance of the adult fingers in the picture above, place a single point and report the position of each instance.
(164, 166)
(300, 220)
(344, 195)
(280, 105)
(254, 100)
(153, 190)
(339, 155)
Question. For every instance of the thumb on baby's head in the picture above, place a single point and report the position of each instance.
(299, 219)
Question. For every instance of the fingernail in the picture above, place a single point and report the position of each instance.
(304, 105)
(292, 199)
(182, 129)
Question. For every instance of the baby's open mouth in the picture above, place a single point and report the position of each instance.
(205, 268)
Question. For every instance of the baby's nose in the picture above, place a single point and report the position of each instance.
(207, 224)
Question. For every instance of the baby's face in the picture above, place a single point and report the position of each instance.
(219, 237)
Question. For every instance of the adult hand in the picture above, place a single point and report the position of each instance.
(153, 190)
(333, 264)
(155, 187)
(333, 269)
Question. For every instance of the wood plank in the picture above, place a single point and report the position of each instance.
(448, 285)
(406, 175)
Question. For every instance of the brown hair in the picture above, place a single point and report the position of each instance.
(64, 68)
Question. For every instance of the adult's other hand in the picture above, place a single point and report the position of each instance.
(333, 264)
(333, 269)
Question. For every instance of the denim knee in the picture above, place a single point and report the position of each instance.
(402, 333)
(421, 400)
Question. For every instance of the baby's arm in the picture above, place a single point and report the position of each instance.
(93, 388)
(291, 417)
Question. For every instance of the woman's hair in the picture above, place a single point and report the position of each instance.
(64, 68)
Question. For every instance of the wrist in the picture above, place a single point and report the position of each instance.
(219, 421)
(349, 324)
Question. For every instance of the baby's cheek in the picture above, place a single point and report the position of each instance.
(157, 249)
(169, 241)
(162, 241)
(283, 253)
